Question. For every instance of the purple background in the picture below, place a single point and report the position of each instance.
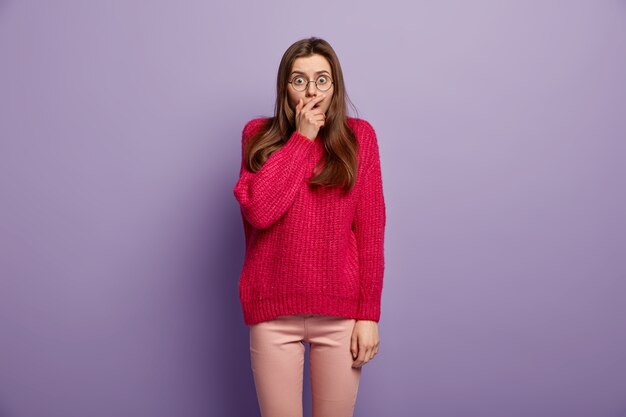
(501, 127)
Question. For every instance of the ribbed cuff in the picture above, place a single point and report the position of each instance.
(368, 311)
(300, 138)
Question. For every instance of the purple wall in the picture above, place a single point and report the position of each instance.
(502, 133)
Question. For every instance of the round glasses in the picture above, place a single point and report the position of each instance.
(323, 83)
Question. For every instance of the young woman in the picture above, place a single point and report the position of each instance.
(313, 210)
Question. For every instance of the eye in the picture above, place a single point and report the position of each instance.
(298, 80)
(322, 80)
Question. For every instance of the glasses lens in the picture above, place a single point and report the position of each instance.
(324, 82)
(299, 83)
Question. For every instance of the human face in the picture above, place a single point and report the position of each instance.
(311, 67)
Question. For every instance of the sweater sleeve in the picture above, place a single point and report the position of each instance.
(266, 195)
(369, 228)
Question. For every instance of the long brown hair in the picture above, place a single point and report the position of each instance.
(340, 144)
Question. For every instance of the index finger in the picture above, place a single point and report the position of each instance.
(311, 103)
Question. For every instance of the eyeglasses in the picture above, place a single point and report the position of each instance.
(323, 83)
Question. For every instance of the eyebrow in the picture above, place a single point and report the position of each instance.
(300, 72)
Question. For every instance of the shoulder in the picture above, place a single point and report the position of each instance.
(252, 126)
(366, 136)
(364, 132)
(361, 127)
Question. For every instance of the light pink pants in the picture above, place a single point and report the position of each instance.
(277, 355)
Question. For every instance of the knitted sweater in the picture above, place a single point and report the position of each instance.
(311, 250)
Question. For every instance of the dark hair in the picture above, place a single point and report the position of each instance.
(340, 144)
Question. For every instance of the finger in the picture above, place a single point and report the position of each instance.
(318, 111)
(360, 360)
(366, 355)
(354, 348)
(311, 103)
(362, 356)
(315, 117)
(319, 117)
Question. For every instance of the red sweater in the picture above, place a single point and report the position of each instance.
(311, 251)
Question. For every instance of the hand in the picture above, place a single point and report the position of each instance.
(308, 119)
(364, 343)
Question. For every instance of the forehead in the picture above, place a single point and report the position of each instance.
(311, 64)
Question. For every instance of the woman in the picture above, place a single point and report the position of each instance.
(313, 210)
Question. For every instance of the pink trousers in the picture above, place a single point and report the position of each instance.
(277, 356)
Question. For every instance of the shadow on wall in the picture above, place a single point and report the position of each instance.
(230, 368)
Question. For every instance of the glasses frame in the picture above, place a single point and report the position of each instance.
(332, 82)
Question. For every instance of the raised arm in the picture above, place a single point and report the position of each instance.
(266, 195)
(369, 228)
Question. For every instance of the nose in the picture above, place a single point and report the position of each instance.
(311, 89)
